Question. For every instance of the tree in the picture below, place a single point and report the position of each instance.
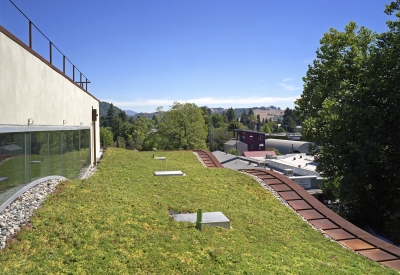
(122, 115)
(349, 108)
(258, 123)
(230, 115)
(266, 129)
(217, 120)
(106, 137)
(243, 117)
(183, 127)
(290, 120)
(252, 121)
(111, 113)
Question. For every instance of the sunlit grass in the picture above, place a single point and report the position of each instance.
(117, 222)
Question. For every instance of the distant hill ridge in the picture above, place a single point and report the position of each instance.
(104, 106)
(264, 112)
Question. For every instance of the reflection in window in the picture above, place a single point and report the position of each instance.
(25, 157)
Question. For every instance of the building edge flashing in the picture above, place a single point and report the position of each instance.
(26, 188)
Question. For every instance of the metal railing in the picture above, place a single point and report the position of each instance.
(83, 80)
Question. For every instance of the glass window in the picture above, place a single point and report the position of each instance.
(25, 157)
(12, 164)
(56, 153)
(40, 160)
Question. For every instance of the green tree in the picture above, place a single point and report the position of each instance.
(217, 120)
(183, 127)
(349, 108)
(111, 113)
(258, 123)
(230, 115)
(290, 120)
(252, 121)
(266, 129)
(106, 137)
(243, 117)
(122, 115)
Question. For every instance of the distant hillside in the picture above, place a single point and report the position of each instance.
(104, 106)
(265, 112)
(130, 113)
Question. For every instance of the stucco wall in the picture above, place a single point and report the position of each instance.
(30, 88)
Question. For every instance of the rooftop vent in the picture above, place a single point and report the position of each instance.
(288, 172)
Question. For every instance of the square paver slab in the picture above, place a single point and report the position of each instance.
(323, 224)
(338, 234)
(291, 195)
(377, 255)
(356, 244)
(392, 264)
(272, 181)
(310, 214)
(265, 176)
(281, 187)
(299, 204)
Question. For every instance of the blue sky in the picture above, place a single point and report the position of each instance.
(221, 53)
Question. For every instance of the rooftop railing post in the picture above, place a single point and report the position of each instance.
(64, 64)
(30, 34)
(80, 80)
(73, 73)
(51, 53)
(86, 85)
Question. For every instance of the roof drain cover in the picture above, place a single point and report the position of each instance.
(209, 218)
(168, 173)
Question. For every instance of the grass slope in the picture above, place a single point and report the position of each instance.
(117, 222)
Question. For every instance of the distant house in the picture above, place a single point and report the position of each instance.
(255, 140)
(235, 144)
(246, 141)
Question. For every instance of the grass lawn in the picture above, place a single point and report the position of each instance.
(117, 222)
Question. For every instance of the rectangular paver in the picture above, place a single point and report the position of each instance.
(311, 214)
(338, 234)
(377, 255)
(323, 224)
(281, 187)
(382, 244)
(392, 264)
(290, 195)
(272, 181)
(299, 204)
(356, 244)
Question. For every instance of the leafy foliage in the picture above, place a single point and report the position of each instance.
(350, 108)
(183, 127)
(106, 137)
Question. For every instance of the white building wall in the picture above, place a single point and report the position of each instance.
(30, 88)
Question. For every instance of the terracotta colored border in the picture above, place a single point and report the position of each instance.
(209, 159)
(328, 221)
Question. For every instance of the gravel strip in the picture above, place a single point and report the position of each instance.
(19, 212)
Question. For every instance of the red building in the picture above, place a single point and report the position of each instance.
(255, 140)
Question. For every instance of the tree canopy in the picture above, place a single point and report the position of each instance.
(183, 127)
(350, 109)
